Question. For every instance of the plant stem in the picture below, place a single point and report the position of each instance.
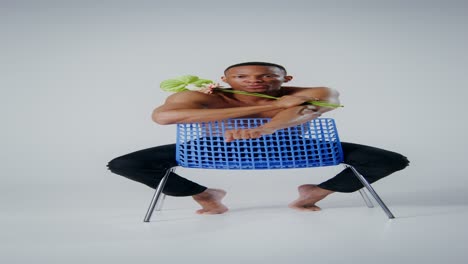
(317, 103)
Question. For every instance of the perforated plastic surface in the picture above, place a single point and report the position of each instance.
(313, 144)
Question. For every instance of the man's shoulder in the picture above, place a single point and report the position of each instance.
(192, 96)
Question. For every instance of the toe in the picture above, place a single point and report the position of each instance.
(201, 211)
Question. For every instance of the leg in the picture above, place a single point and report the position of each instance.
(372, 191)
(149, 166)
(372, 162)
(309, 195)
(160, 203)
(366, 198)
(157, 193)
(210, 200)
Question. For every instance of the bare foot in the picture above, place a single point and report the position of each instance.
(309, 194)
(210, 200)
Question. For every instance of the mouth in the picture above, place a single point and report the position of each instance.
(257, 86)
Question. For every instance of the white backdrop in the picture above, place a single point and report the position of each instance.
(79, 81)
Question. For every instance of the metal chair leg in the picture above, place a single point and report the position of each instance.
(157, 194)
(366, 198)
(160, 203)
(371, 190)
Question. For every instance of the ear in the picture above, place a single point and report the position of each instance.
(223, 78)
(288, 78)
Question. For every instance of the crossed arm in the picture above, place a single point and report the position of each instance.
(186, 107)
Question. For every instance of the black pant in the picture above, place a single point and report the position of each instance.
(149, 166)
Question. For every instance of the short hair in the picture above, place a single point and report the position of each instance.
(259, 63)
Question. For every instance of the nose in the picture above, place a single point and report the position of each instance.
(254, 79)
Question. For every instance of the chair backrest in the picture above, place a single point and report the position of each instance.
(312, 144)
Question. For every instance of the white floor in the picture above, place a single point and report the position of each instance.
(69, 227)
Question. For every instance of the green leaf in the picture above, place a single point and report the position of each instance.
(173, 85)
(187, 79)
(201, 82)
(178, 84)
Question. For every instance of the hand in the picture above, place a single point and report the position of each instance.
(312, 110)
(257, 132)
(289, 101)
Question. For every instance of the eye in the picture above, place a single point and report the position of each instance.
(270, 75)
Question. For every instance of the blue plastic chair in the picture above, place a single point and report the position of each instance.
(312, 144)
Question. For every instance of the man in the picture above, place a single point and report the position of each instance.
(148, 166)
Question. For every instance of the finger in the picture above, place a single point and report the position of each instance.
(255, 134)
(236, 134)
(245, 134)
(228, 136)
(312, 107)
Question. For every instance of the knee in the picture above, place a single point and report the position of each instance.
(111, 165)
(118, 164)
(399, 162)
(126, 163)
(382, 160)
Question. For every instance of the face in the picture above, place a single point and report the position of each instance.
(255, 78)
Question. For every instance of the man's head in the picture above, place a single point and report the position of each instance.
(256, 76)
(257, 63)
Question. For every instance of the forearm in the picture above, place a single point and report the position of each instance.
(287, 118)
(206, 115)
(292, 117)
(300, 114)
